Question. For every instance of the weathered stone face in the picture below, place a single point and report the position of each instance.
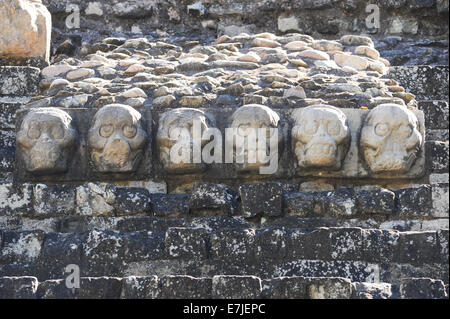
(117, 139)
(390, 139)
(25, 29)
(248, 119)
(176, 135)
(46, 139)
(321, 137)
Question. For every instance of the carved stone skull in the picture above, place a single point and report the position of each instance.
(248, 119)
(177, 129)
(390, 139)
(117, 139)
(46, 140)
(321, 137)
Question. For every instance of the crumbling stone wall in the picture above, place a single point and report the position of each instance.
(317, 18)
(409, 32)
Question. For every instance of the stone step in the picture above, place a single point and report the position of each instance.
(219, 287)
(368, 255)
(70, 208)
(19, 80)
(424, 81)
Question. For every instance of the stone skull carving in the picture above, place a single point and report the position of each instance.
(117, 139)
(321, 137)
(390, 139)
(177, 129)
(250, 118)
(46, 140)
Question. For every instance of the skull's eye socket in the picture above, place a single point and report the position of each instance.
(34, 132)
(106, 130)
(129, 131)
(57, 132)
(382, 129)
(310, 127)
(334, 128)
(244, 130)
(405, 131)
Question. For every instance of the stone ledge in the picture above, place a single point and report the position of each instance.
(46, 201)
(219, 287)
(356, 253)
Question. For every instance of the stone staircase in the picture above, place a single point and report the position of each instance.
(147, 245)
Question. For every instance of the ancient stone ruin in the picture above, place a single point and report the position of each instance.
(120, 160)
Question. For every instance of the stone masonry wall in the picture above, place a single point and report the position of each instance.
(357, 207)
(410, 32)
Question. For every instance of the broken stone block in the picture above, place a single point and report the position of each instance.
(415, 201)
(170, 205)
(375, 200)
(213, 197)
(301, 204)
(264, 199)
(339, 203)
(96, 199)
(336, 203)
(236, 287)
(53, 200)
(187, 243)
(18, 287)
(185, 287)
(26, 29)
(365, 290)
(329, 288)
